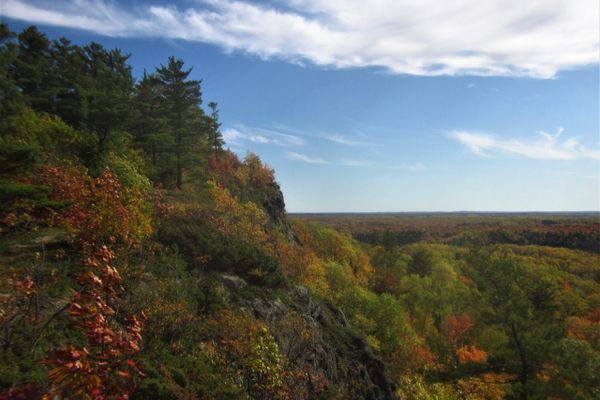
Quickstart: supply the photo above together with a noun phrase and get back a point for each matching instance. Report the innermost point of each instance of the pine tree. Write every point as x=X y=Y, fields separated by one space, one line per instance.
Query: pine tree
x=182 y=99
x=11 y=100
x=215 y=138
x=107 y=89
x=149 y=125
x=70 y=62
x=32 y=72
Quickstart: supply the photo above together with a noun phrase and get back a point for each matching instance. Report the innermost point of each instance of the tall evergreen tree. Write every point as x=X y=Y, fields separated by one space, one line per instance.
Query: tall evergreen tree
x=149 y=125
x=215 y=138
x=107 y=90
x=182 y=99
x=70 y=62
x=32 y=71
x=11 y=99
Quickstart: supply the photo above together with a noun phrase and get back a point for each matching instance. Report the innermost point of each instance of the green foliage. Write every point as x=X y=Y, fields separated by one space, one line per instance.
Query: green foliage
x=524 y=306
x=415 y=388
x=579 y=369
x=185 y=118
x=422 y=262
x=127 y=170
x=205 y=247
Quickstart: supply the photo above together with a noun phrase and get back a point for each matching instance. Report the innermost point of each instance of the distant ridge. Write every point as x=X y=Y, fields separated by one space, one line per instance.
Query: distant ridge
x=462 y=213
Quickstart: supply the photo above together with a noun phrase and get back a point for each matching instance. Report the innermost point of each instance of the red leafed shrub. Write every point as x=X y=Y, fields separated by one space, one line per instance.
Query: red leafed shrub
x=457 y=326
x=222 y=167
x=28 y=391
x=103 y=368
x=423 y=357
x=105 y=217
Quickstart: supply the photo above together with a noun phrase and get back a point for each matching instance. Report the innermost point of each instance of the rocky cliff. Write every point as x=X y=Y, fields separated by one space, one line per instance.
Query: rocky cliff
x=322 y=343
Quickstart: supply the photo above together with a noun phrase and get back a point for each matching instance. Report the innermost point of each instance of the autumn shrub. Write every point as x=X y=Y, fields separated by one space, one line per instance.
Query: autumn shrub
x=331 y=245
x=98 y=359
x=247 y=352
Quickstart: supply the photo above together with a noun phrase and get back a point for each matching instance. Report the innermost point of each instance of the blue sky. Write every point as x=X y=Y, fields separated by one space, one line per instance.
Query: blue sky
x=381 y=106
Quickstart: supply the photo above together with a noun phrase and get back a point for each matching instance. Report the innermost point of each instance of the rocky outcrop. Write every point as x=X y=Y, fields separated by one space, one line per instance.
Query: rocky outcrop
x=274 y=205
x=233 y=282
x=317 y=338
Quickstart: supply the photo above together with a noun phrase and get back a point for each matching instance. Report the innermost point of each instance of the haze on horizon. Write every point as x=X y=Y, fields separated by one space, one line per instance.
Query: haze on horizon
x=375 y=106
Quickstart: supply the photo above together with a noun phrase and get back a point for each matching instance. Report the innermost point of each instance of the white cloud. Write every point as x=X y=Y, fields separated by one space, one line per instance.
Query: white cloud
x=535 y=38
x=547 y=147
x=232 y=136
x=291 y=155
x=240 y=134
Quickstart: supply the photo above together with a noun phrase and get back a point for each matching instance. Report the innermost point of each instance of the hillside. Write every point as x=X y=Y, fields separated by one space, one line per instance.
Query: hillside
x=140 y=258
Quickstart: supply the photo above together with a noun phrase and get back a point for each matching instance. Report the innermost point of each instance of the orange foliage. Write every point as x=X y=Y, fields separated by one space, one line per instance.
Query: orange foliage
x=424 y=357
x=456 y=327
x=101 y=213
x=292 y=258
x=100 y=209
x=471 y=354
x=259 y=174
x=104 y=368
x=586 y=328
x=222 y=167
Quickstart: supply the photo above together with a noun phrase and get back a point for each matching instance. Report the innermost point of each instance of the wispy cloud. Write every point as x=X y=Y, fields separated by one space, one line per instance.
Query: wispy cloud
x=354 y=163
x=546 y=146
x=341 y=139
x=292 y=155
x=241 y=134
x=536 y=38
x=369 y=164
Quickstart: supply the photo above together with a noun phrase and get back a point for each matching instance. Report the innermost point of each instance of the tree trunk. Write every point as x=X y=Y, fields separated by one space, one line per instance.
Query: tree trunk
x=178 y=160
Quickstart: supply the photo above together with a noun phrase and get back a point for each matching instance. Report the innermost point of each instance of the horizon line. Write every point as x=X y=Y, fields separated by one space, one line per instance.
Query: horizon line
x=447 y=212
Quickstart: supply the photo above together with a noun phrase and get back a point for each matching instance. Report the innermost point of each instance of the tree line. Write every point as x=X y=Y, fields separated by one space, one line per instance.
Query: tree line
x=158 y=118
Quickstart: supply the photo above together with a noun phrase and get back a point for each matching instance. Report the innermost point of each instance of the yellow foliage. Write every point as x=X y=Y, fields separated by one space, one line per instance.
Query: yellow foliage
x=244 y=220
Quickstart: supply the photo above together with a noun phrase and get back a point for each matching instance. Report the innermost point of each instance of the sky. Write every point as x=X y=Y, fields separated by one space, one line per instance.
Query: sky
x=380 y=105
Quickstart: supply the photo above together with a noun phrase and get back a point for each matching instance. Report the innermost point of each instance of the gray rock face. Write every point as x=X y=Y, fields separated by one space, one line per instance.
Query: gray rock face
x=233 y=282
x=316 y=337
x=274 y=205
